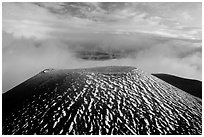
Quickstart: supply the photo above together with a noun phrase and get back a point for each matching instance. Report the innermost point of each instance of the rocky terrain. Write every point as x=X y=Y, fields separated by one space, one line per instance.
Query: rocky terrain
x=105 y=100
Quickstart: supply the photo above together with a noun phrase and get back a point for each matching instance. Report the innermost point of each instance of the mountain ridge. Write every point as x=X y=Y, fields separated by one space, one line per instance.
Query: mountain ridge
x=191 y=86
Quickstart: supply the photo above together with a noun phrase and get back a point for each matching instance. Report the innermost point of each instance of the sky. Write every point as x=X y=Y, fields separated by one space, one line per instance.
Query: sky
x=155 y=37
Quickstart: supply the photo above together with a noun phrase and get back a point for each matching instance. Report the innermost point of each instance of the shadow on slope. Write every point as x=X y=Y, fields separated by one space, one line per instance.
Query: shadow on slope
x=193 y=87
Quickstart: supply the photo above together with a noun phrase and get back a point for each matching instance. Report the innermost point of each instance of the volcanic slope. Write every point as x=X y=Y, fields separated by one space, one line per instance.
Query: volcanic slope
x=104 y=100
x=193 y=87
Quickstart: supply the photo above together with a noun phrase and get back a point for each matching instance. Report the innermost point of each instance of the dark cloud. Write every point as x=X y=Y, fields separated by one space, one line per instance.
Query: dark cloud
x=113 y=6
x=76 y=9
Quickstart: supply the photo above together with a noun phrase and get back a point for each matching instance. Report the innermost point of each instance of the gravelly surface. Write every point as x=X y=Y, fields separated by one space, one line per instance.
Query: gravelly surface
x=103 y=102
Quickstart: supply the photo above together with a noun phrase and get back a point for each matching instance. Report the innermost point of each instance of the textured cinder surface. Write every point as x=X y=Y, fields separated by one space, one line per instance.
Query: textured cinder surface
x=108 y=100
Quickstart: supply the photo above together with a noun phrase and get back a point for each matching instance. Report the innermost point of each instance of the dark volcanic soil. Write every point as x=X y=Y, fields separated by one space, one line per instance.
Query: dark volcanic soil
x=193 y=87
x=106 y=100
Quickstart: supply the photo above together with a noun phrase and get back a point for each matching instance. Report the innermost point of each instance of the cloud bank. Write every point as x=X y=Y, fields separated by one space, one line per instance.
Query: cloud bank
x=150 y=36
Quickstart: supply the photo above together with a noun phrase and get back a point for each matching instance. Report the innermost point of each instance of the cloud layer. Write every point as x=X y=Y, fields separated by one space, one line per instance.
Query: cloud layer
x=156 y=37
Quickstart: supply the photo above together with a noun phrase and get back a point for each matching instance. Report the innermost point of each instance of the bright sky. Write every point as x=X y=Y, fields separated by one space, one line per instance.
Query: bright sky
x=159 y=37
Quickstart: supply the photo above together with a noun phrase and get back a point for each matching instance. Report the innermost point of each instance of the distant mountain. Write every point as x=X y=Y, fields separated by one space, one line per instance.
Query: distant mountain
x=193 y=87
x=104 y=100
